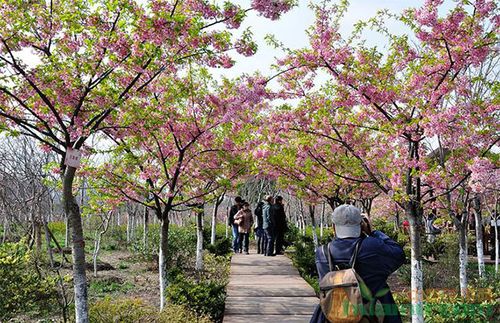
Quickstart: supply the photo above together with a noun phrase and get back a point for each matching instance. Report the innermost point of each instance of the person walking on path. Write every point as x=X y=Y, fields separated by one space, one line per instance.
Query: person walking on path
x=269 y=226
x=259 y=231
x=244 y=220
x=280 y=225
x=378 y=257
x=234 y=227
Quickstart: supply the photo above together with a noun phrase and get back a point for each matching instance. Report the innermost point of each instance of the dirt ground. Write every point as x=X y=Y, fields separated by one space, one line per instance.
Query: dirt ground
x=140 y=276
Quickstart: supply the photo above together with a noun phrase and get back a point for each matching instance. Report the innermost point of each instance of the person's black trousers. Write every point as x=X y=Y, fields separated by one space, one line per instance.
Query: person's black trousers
x=261 y=241
x=280 y=239
x=269 y=251
x=243 y=239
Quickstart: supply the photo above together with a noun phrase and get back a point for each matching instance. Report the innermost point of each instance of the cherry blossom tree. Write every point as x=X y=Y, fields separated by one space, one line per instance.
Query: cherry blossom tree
x=309 y=166
x=68 y=68
x=385 y=109
x=483 y=182
x=180 y=148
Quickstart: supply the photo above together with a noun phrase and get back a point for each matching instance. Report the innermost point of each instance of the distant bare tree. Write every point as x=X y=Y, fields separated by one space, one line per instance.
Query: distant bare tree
x=26 y=199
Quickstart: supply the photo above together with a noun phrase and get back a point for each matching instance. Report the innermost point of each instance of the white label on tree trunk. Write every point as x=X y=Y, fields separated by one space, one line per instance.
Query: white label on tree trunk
x=73 y=157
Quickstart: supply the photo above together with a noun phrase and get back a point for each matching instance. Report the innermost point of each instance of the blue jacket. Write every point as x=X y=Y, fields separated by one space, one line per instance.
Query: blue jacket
x=378 y=257
x=267 y=216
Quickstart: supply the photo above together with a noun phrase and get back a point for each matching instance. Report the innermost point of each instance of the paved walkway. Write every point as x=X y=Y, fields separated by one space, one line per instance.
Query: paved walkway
x=267 y=289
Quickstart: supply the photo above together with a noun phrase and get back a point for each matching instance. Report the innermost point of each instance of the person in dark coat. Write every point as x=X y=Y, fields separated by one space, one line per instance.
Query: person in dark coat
x=259 y=231
x=281 y=225
x=269 y=226
x=234 y=227
x=379 y=256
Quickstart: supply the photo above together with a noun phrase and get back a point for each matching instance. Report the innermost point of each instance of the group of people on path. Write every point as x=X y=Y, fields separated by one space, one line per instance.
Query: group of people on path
x=270 y=225
x=372 y=254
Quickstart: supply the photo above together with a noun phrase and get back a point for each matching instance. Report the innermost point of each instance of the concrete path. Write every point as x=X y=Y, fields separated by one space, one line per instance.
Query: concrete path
x=267 y=289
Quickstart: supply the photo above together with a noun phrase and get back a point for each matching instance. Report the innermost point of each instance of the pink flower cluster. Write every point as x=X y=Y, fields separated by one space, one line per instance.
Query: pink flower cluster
x=484 y=175
x=272 y=9
x=231 y=14
x=246 y=47
x=261 y=153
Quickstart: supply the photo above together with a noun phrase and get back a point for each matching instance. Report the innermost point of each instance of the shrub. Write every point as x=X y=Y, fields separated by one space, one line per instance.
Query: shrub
x=490 y=279
x=445 y=244
x=204 y=297
x=22 y=287
x=174 y=313
x=204 y=292
x=181 y=246
x=57 y=228
x=220 y=230
x=115 y=237
x=122 y=265
x=447 y=306
x=102 y=286
x=221 y=247
x=385 y=225
x=135 y=310
x=121 y=310
x=304 y=257
x=432 y=276
x=292 y=235
x=217 y=268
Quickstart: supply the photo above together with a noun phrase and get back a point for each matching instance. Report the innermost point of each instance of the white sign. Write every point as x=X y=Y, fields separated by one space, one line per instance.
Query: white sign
x=73 y=157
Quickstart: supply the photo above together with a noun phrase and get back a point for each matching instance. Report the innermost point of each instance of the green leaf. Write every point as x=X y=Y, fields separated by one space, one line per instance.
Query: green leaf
x=382 y=292
x=365 y=291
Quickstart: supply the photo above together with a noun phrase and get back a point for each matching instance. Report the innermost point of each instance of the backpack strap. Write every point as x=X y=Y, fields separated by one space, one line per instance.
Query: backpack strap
x=328 y=256
x=352 y=262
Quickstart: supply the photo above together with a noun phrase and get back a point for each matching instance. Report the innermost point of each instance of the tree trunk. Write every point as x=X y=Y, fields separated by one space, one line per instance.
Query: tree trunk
x=118 y=219
x=479 y=236
x=47 y=241
x=103 y=228
x=199 y=239
x=461 y=226
x=214 y=224
x=5 y=228
x=37 y=228
x=97 y=247
x=145 y=228
x=302 y=219
x=368 y=206
x=218 y=202
x=313 y=224
x=78 y=247
x=67 y=231
x=128 y=227
x=322 y=220
x=162 y=261
x=414 y=214
x=496 y=245
x=463 y=257
x=227 y=228
x=397 y=221
x=417 y=285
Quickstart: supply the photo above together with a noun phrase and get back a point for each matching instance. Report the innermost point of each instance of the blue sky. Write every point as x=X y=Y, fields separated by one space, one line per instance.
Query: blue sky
x=291 y=29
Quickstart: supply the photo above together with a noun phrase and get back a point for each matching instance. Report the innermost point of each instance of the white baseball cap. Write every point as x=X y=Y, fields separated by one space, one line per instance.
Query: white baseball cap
x=347 y=219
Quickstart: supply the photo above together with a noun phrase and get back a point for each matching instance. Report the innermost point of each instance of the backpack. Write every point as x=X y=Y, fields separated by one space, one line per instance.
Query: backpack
x=342 y=291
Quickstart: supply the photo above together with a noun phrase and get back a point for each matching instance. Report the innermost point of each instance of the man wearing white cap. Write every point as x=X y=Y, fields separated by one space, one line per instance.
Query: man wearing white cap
x=377 y=258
